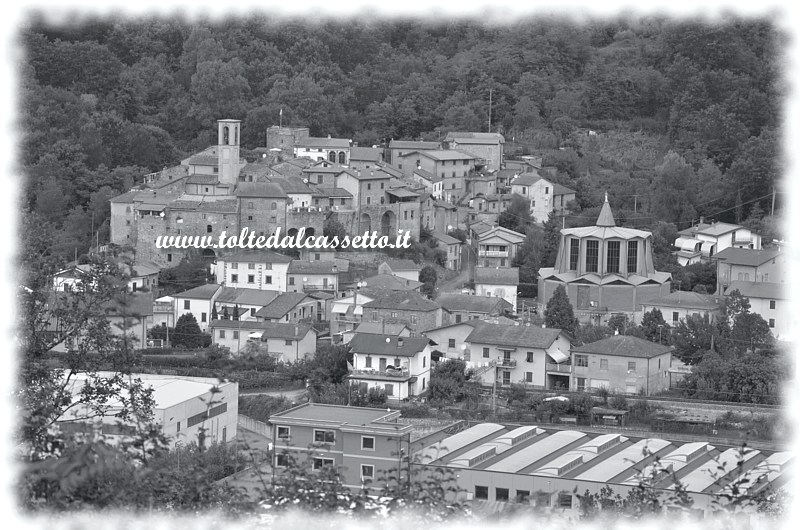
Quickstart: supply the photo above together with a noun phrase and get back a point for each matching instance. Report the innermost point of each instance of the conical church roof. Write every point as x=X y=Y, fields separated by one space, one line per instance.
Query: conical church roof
x=606 y=218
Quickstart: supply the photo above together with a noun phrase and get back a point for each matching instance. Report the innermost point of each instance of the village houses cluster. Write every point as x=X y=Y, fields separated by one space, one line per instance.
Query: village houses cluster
x=261 y=300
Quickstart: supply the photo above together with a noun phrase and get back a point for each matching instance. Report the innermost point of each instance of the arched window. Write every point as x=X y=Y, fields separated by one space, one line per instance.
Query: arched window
x=225 y=135
x=341 y=157
x=423 y=383
x=273 y=206
x=423 y=362
x=236 y=136
x=332 y=156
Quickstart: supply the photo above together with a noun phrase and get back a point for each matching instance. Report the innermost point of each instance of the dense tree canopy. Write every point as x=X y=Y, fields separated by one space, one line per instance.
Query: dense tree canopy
x=681 y=133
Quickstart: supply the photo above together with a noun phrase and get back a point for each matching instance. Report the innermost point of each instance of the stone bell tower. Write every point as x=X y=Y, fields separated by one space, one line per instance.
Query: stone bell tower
x=228 y=136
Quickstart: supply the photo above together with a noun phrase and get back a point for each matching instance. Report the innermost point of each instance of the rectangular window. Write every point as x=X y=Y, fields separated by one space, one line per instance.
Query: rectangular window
x=772 y=304
x=482 y=492
x=169 y=257
x=458 y=318
x=529 y=357
x=501 y=494
x=389 y=389
x=202 y=317
x=268 y=279
x=582 y=360
x=574 y=253
x=581 y=384
x=451 y=343
x=486 y=353
x=374 y=316
x=675 y=316
x=325 y=437
x=282 y=460
x=222 y=333
x=631 y=366
x=234 y=265
x=252 y=311
x=249 y=217
x=186 y=304
x=234 y=278
x=529 y=377
x=523 y=496
x=592 y=253
x=251 y=278
x=564 y=500
x=179 y=426
x=604 y=364
x=633 y=257
x=612 y=257
x=772 y=322
x=319 y=463
x=235 y=334
x=368 y=443
x=251 y=266
x=288 y=342
x=367 y=471
x=291 y=280
x=284 y=433
x=413 y=319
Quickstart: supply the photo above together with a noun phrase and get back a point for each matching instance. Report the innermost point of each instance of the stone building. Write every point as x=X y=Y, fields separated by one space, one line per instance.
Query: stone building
x=285 y=138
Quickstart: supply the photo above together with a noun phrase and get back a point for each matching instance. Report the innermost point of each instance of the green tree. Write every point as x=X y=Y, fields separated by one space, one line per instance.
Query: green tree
x=558 y=312
x=187 y=332
x=654 y=327
x=517 y=216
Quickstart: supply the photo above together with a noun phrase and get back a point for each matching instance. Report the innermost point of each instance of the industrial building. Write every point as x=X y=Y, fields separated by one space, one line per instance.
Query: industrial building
x=549 y=467
x=182 y=406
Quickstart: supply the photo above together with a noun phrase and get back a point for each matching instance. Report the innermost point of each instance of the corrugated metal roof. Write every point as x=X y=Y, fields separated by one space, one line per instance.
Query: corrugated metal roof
x=537 y=451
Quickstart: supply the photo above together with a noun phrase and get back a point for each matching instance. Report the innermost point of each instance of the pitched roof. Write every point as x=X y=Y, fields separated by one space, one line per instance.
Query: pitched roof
x=475 y=137
x=298 y=266
x=291 y=185
x=606 y=218
x=624 y=346
x=403 y=300
x=746 y=256
x=558 y=189
x=476 y=304
x=442 y=154
x=446 y=239
x=281 y=305
x=259 y=189
x=331 y=192
x=311 y=141
x=372 y=154
x=427 y=175
x=391 y=282
x=689 y=300
x=499 y=276
x=202 y=179
x=406 y=144
x=388 y=345
x=771 y=291
x=256 y=256
x=526 y=179
x=381 y=328
x=270 y=330
x=517 y=336
x=203 y=292
x=236 y=295
x=325 y=167
x=402 y=265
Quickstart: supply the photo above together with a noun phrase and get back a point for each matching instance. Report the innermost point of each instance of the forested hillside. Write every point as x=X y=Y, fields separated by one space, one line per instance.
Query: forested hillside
x=686 y=114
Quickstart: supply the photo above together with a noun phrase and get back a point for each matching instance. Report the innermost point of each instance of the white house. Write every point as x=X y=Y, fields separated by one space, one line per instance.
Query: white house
x=497 y=282
x=264 y=269
x=198 y=301
x=336 y=150
x=405 y=268
x=398 y=365
x=702 y=241
x=522 y=353
x=771 y=301
x=544 y=196
x=497 y=246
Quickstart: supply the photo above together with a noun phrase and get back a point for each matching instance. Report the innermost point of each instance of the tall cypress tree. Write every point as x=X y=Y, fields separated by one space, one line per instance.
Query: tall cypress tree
x=558 y=313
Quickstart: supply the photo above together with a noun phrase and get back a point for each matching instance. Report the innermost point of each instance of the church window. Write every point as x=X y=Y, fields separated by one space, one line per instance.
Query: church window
x=612 y=257
x=633 y=250
x=574 y=252
x=592 y=253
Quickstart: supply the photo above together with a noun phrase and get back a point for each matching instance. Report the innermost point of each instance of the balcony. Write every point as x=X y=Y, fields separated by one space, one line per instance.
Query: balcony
x=493 y=253
x=308 y=287
x=163 y=307
x=506 y=363
x=560 y=368
x=389 y=374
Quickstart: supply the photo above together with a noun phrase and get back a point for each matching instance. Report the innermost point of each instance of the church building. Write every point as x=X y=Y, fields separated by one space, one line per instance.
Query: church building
x=605 y=269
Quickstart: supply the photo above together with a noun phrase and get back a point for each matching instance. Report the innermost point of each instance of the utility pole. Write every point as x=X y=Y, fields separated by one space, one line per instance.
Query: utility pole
x=490 y=109
x=772 y=210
